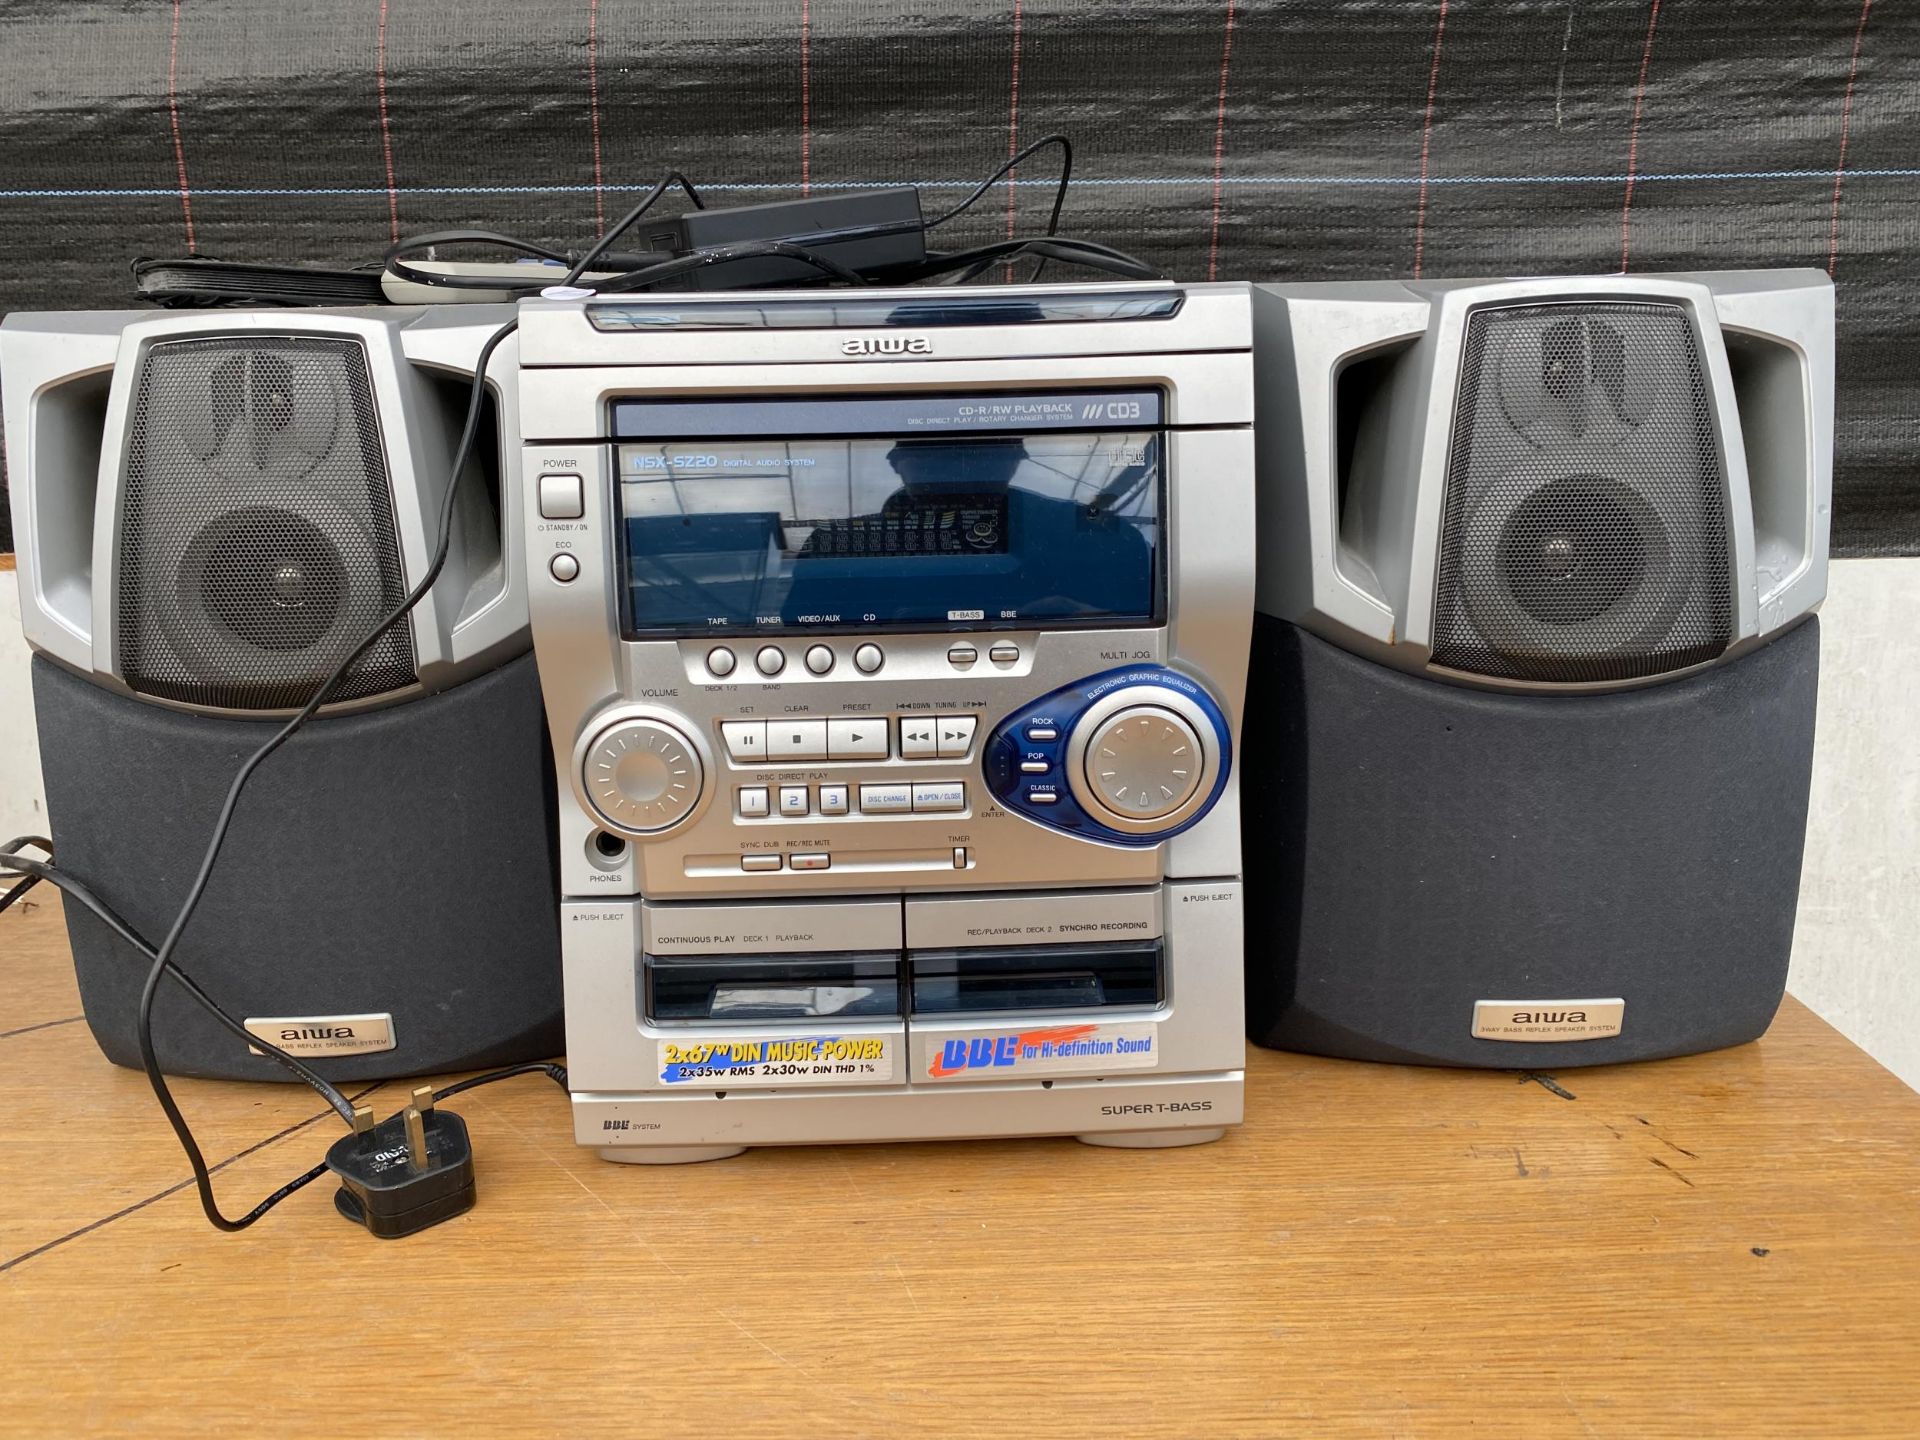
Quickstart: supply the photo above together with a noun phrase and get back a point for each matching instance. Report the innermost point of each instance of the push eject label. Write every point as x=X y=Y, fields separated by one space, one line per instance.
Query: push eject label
x=851 y=1059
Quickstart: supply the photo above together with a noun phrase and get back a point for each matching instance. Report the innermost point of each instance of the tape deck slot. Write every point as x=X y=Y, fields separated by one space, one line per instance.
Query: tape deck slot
x=988 y=980
x=752 y=989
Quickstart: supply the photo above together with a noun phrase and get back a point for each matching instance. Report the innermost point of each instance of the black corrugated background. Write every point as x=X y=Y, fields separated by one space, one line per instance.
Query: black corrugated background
x=1245 y=140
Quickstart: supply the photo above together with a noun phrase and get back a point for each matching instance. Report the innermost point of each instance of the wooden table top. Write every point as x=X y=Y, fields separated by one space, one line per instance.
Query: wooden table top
x=1726 y=1245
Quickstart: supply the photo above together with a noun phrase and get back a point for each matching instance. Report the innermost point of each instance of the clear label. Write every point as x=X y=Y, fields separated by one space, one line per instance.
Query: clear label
x=706 y=1062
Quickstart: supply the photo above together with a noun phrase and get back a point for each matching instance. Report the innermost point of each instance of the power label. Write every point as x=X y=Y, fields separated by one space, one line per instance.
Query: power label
x=1048 y=1050
x=791 y=1060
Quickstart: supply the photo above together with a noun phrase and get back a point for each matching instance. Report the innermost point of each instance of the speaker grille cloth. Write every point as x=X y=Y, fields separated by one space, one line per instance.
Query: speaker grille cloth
x=257 y=540
x=1584 y=535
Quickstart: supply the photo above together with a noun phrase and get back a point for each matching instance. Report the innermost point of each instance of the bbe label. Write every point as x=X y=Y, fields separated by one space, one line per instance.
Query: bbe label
x=851 y=1059
x=1049 y=1050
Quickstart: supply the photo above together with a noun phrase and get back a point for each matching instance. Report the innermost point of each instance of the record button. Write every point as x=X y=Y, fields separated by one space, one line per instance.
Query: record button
x=809 y=861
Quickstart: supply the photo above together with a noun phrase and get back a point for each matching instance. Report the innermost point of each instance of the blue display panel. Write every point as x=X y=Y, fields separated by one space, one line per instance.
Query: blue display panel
x=754 y=536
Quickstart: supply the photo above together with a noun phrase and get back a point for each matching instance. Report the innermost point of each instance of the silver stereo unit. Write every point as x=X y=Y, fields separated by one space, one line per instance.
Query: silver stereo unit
x=893 y=646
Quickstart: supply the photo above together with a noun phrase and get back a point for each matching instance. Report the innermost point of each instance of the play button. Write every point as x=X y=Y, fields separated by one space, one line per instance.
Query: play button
x=857 y=739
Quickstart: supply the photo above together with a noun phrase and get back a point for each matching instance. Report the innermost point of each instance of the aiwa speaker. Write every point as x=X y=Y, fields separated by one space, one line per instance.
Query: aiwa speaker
x=1535 y=662
x=211 y=509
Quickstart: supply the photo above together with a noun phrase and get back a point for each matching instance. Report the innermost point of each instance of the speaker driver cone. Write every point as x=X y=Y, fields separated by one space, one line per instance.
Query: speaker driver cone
x=1581 y=562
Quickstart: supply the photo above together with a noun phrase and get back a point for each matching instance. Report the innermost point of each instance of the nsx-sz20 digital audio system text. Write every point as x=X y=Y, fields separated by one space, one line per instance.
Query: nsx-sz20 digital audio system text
x=893 y=646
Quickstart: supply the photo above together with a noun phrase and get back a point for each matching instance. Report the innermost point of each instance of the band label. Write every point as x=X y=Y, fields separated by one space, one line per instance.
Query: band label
x=827 y=1059
x=1046 y=1050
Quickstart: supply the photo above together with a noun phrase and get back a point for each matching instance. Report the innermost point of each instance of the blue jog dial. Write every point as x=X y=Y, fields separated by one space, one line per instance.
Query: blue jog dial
x=1130 y=757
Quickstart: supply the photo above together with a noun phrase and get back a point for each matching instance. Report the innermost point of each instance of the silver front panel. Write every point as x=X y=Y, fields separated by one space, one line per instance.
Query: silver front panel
x=619 y=1069
x=591 y=675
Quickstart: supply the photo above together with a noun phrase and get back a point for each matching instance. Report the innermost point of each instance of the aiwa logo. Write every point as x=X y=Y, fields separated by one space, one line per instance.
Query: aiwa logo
x=324 y=1034
x=887 y=345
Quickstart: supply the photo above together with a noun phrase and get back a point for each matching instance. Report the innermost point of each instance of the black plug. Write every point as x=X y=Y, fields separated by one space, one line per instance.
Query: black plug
x=405 y=1173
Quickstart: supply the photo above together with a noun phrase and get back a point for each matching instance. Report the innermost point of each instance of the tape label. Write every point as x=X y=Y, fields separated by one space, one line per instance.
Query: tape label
x=826 y=1059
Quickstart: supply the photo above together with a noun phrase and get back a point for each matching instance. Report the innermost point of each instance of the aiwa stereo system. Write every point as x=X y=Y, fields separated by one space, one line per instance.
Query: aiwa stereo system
x=893 y=647
x=884 y=772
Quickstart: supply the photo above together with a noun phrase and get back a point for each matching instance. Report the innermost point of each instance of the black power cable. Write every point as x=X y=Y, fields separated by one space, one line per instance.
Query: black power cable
x=36 y=871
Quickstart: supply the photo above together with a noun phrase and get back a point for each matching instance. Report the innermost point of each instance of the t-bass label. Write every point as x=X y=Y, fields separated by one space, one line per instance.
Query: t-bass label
x=849 y=1059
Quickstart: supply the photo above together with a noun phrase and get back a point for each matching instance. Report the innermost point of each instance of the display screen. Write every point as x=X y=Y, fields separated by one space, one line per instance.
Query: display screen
x=763 y=536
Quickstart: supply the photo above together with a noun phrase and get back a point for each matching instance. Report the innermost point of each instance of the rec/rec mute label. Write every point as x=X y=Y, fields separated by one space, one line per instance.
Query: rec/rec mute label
x=824 y=1059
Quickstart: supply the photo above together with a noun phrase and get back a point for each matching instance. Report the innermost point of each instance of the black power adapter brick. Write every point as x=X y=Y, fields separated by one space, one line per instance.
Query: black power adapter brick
x=865 y=230
x=407 y=1172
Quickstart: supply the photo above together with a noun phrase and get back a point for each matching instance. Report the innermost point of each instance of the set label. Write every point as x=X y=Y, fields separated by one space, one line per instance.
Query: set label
x=828 y=1059
x=1048 y=1050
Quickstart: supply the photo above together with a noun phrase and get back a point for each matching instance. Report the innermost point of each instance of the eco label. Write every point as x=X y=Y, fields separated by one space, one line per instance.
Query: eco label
x=852 y=1059
x=1049 y=1050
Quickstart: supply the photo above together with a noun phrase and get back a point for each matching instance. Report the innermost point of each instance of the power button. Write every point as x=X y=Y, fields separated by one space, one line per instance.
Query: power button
x=562 y=496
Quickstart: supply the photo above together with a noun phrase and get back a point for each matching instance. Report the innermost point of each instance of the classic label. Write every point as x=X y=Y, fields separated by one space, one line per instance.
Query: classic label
x=824 y=1059
x=1544 y=1020
x=1045 y=1050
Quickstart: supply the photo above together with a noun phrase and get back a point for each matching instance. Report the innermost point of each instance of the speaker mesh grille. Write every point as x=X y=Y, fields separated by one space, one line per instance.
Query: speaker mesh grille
x=257 y=540
x=1584 y=535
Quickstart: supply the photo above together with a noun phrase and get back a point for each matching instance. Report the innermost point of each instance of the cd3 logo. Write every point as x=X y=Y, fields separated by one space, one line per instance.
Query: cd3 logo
x=887 y=345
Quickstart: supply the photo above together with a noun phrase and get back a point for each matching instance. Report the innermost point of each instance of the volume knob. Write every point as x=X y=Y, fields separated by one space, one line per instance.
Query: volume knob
x=1141 y=764
x=642 y=776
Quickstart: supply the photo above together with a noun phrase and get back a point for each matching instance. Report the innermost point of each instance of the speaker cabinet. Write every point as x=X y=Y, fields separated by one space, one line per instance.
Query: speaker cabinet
x=1535 y=662
x=210 y=510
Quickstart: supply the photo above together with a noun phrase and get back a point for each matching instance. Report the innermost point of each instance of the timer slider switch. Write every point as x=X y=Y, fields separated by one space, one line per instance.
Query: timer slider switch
x=406 y=1173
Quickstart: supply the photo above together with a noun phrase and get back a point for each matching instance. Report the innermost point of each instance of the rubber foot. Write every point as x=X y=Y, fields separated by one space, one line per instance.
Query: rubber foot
x=1150 y=1139
x=667 y=1154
